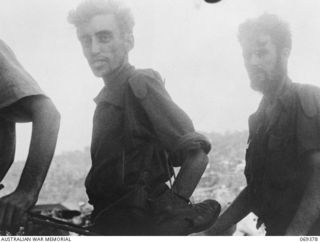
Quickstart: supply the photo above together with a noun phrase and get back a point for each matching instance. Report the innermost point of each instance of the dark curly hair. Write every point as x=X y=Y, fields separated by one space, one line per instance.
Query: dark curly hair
x=268 y=24
x=89 y=8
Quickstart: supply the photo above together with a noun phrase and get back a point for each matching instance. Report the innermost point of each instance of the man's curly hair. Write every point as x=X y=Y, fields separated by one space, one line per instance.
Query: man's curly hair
x=90 y=8
x=268 y=24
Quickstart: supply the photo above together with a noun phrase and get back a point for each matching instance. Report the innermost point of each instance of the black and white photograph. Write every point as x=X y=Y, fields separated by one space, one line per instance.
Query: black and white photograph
x=159 y=118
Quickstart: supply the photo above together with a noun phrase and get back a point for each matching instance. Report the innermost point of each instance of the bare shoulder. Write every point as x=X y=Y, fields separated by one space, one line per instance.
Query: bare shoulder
x=5 y=49
x=3 y=45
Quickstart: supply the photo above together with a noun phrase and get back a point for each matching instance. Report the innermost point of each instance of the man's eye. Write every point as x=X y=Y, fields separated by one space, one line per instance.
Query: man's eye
x=260 y=53
x=104 y=38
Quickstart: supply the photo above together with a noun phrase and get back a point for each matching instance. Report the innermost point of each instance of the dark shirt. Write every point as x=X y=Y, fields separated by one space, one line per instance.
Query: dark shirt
x=137 y=129
x=278 y=143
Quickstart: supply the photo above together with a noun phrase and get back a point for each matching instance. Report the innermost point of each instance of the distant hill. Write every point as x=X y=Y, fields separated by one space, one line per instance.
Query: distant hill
x=224 y=176
x=222 y=180
x=65 y=181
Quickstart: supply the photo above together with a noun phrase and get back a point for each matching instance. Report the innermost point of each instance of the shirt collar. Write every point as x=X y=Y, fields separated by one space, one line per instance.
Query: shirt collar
x=113 y=90
x=285 y=94
x=119 y=75
x=282 y=96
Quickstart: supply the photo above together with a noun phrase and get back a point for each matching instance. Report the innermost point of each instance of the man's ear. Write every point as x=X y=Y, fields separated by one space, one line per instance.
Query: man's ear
x=285 y=53
x=129 y=42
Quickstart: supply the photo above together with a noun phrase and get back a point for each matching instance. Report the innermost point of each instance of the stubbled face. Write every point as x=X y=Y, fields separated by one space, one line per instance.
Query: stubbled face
x=103 y=44
x=263 y=63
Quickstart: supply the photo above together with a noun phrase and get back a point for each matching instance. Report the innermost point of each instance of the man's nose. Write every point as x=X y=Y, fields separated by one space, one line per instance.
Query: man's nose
x=95 y=46
x=254 y=60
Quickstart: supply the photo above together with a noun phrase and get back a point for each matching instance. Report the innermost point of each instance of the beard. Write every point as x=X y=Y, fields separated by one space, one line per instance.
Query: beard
x=267 y=82
x=264 y=83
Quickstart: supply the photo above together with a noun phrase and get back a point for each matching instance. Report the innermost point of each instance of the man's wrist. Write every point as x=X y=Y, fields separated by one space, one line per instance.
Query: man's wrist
x=181 y=197
x=31 y=193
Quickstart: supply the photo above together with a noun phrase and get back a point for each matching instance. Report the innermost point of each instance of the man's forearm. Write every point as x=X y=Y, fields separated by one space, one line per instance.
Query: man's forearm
x=309 y=209
x=237 y=211
x=7 y=146
x=43 y=141
x=190 y=173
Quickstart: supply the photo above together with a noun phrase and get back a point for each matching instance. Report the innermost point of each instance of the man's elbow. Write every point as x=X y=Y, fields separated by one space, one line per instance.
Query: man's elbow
x=56 y=116
x=200 y=158
x=48 y=115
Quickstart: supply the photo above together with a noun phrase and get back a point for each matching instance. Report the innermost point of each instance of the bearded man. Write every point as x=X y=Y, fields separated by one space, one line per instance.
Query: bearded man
x=283 y=154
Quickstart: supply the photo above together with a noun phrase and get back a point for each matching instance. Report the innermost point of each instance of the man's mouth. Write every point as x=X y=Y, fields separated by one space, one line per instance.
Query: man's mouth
x=99 y=62
x=257 y=75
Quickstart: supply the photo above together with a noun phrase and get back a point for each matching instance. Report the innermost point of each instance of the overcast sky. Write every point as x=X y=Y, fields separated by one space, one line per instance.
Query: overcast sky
x=191 y=43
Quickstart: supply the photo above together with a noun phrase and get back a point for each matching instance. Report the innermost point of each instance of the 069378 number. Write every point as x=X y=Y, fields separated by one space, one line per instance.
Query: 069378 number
x=308 y=238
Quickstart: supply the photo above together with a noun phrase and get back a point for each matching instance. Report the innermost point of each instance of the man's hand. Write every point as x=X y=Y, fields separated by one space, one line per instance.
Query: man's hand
x=13 y=208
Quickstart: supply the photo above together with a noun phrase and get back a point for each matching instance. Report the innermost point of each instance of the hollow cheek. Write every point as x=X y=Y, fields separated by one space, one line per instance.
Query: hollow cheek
x=119 y=53
x=86 y=54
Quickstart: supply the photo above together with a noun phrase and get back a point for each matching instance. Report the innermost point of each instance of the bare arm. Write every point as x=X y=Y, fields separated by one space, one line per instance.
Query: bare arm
x=45 y=125
x=7 y=146
x=309 y=209
x=237 y=211
x=190 y=173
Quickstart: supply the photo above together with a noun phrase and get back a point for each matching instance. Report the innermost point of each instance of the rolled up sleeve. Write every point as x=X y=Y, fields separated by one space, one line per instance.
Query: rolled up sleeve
x=172 y=126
